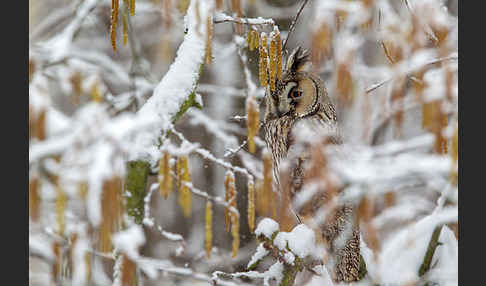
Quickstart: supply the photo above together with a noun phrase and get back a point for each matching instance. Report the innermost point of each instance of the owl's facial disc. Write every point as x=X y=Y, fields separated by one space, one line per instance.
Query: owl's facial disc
x=297 y=98
x=305 y=97
x=284 y=102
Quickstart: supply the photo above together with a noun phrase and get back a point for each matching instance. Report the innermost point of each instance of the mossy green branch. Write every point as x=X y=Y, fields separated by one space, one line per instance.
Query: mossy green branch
x=191 y=99
x=135 y=184
x=290 y=272
x=434 y=242
x=255 y=264
x=137 y=171
x=189 y=102
x=362 y=268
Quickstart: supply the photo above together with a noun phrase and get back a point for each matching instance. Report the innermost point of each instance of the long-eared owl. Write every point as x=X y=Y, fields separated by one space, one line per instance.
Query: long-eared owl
x=300 y=101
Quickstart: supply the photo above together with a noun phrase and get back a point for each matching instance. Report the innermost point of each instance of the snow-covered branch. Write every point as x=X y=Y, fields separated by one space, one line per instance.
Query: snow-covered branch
x=176 y=90
x=222 y=18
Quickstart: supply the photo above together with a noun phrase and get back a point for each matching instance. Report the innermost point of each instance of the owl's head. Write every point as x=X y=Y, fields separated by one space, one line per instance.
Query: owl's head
x=300 y=93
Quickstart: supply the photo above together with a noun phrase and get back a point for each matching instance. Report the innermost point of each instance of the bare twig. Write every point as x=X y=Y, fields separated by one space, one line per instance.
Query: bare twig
x=148 y=220
x=292 y=26
x=392 y=61
x=55 y=18
x=428 y=31
x=204 y=195
x=239 y=118
x=207 y=155
x=432 y=62
x=386 y=119
x=232 y=152
x=217 y=200
x=387 y=53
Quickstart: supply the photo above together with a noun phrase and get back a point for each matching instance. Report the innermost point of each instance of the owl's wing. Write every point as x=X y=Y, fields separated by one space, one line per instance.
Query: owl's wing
x=339 y=229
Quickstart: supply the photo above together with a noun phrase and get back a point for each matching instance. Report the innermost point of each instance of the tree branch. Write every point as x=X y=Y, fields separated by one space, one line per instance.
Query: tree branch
x=411 y=70
x=171 y=99
x=292 y=26
x=434 y=242
x=223 y=18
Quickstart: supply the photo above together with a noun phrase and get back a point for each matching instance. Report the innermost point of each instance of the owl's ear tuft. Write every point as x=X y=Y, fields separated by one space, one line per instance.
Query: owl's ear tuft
x=298 y=61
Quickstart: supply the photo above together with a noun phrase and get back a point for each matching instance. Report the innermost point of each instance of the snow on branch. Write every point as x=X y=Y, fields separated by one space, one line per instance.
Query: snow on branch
x=149 y=220
x=293 y=251
x=206 y=154
x=61 y=43
x=404 y=252
x=222 y=18
x=130 y=240
x=176 y=90
x=217 y=200
x=53 y=19
x=215 y=127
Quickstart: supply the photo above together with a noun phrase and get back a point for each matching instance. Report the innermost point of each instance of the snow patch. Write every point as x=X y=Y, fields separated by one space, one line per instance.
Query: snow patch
x=259 y=254
x=178 y=83
x=129 y=241
x=274 y=272
x=301 y=240
x=267 y=227
x=445 y=259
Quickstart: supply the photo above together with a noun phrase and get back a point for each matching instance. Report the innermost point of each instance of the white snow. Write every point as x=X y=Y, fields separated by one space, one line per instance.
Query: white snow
x=301 y=240
x=289 y=258
x=129 y=241
x=274 y=272
x=56 y=122
x=80 y=268
x=323 y=279
x=170 y=235
x=393 y=161
x=280 y=240
x=221 y=17
x=259 y=254
x=369 y=258
x=60 y=44
x=267 y=227
x=148 y=221
x=40 y=245
x=177 y=84
x=444 y=263
x=402 y=254
x=100 y=171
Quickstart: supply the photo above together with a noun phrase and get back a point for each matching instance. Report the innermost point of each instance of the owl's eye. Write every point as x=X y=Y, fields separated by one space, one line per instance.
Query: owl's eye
x=295 y=93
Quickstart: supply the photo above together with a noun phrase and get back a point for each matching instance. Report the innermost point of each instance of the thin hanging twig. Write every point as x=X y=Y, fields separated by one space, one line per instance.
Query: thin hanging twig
x=292 y=26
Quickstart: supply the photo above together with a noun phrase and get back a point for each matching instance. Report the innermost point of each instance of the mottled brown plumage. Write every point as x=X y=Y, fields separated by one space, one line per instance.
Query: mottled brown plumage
x=300 y=101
